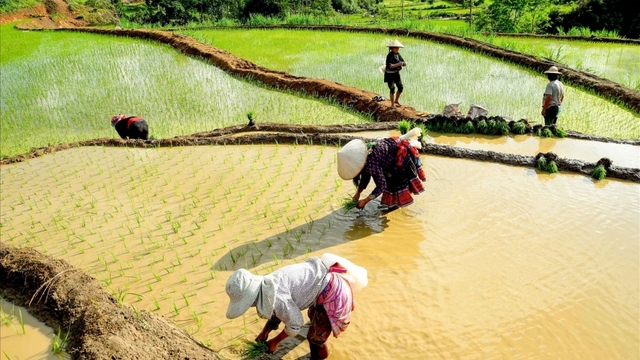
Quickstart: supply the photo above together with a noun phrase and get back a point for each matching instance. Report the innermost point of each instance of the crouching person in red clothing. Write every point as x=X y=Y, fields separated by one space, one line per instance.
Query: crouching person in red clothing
x=130 y=127
x=325 y=287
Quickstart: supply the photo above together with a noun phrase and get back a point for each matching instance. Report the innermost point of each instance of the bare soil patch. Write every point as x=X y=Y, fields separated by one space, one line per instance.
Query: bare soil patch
x=51 y=14
x=34 y=12
x=67 y=298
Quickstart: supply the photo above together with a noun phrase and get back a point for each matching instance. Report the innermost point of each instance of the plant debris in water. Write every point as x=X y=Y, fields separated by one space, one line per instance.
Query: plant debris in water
x=254 y=349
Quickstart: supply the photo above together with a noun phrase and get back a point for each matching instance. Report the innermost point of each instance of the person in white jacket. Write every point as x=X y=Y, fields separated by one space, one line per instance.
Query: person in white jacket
x=323 y=287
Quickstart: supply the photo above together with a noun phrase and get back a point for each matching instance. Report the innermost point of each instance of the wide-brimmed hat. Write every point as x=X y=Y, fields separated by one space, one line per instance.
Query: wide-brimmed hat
x=553 y=70
x=245 y=289
x=395 y=43
x=351 y=159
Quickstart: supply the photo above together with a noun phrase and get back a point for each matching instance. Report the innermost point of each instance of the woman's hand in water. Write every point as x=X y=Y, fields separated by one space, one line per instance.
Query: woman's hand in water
x=363 y=202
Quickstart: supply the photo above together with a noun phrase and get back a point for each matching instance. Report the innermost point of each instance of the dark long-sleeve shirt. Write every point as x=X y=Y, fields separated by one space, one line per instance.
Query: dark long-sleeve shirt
x=381 y=159
x=393 y=59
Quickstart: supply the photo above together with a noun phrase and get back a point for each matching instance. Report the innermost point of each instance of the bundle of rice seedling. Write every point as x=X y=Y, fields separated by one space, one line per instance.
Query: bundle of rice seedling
x=423 y=133
x=254 y=349
x=552 y=167
x=546 y=132
x=404 y=126
x=482 y=127
x=537 y=130
x=348 y=203
x=541 y=163
x=466 y=127
x=557 y=131
x=448 y=126
x=501 y=127
x=518 y=127
x=491 y=127
x=599 y=172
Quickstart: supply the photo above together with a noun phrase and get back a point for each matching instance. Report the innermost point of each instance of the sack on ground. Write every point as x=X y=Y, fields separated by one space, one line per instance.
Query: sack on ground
x=477 y=110
x=452 y=110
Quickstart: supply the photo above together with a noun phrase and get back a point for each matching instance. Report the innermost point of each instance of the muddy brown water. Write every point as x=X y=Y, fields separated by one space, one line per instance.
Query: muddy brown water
x=585 y=150
x=33 y=343
x=490 y=261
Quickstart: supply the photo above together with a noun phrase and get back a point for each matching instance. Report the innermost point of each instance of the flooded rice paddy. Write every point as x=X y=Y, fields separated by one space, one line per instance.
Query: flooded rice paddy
x=491 y=261
x=585 y=150
x=32 y=343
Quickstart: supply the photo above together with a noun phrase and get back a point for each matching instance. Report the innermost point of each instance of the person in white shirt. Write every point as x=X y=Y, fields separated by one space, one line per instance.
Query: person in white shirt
x=553 y=97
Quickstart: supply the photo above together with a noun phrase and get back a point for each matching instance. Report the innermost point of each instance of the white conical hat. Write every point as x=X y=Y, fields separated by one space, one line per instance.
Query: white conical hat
x=395 y=43
x=351 y=159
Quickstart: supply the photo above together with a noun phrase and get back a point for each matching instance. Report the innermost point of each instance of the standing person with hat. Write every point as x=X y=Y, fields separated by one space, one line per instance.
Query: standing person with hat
x=393 y=65
x=322 y=286
x=553 y=97
x=393 y=163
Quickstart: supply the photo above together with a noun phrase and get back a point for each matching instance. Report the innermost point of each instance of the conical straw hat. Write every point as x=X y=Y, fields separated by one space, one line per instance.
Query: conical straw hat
x=395 y=43
x=351 y=159
x=553 y=70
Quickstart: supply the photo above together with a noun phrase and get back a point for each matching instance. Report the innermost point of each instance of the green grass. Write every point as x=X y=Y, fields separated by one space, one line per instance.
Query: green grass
x=63 y=87
x=14 y=5
x=436 y=75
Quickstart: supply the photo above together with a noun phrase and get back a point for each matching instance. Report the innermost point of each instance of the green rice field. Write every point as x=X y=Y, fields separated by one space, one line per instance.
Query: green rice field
x=617 y=62
x=436 y=75
x=61 y=87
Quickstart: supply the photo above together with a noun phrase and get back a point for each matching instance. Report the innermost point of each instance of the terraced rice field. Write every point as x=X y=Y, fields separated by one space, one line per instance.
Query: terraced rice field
x=164 y=228
x=62 y=87
x=436 y=75
x=616 y=62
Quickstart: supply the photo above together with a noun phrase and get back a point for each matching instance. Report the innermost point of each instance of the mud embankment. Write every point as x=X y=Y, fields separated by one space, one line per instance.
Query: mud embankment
x=67 y=298
x=600 y=86
x=310 y=135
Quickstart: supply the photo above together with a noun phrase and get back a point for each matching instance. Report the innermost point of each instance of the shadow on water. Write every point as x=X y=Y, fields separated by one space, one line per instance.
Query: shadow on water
x=333 y=229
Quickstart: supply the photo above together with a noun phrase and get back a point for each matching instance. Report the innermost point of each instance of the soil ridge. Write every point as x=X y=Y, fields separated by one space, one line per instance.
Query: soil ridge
x=66 y=298
x=293 y=134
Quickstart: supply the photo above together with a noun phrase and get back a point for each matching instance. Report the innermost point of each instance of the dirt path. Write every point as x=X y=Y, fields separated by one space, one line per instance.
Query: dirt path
x=65 y=297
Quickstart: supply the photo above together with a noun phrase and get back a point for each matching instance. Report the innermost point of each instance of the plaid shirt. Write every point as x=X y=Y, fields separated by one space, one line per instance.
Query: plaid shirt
x=381 y=159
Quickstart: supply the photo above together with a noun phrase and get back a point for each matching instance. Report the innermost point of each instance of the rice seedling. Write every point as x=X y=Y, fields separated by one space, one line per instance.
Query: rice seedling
x=254 y=349
x=404 y=126
x=348 y=203
x=59 y=343
x=466 y=127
